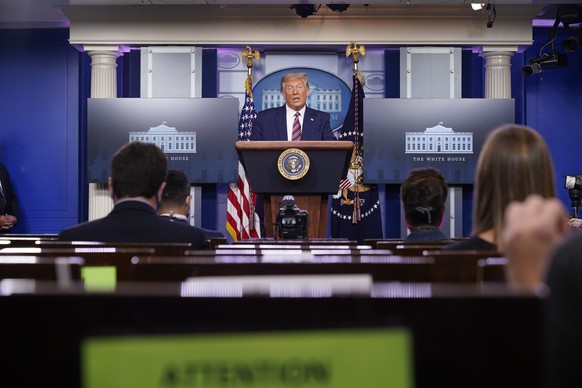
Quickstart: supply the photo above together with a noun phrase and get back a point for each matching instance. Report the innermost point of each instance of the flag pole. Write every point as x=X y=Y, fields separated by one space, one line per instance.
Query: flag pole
x=355 y=50
x=242 y=222
x=249 y=54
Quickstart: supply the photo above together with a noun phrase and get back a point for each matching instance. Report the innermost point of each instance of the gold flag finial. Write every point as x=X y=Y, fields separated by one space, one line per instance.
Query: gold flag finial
x=355 y=50
x=249 y=54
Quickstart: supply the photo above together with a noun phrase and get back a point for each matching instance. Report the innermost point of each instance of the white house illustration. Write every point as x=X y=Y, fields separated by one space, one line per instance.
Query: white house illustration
x=168 y=139
x=439 y=140
x=327 y=100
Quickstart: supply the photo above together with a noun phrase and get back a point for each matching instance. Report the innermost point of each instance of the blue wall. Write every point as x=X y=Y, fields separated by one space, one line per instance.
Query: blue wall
x=39 y=111
x=44 y=83
x=553 y=106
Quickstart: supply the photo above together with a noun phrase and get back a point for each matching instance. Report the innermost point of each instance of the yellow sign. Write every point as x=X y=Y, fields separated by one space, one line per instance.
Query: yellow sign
x=331 y=359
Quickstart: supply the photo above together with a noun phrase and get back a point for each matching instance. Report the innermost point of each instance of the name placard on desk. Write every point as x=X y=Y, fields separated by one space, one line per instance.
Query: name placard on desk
x=332 y=358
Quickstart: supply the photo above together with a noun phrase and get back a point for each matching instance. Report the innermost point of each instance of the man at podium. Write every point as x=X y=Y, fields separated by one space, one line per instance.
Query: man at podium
x=294 y=120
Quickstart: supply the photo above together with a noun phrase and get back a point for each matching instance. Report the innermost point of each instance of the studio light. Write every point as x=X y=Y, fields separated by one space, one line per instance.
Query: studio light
x=491 y=14
x=338 y=7
x=544 y=62
x=572 y=43
x=477 y=6
x=552 y=58
x=488 y=8
x=573 y=183
x=305 y=10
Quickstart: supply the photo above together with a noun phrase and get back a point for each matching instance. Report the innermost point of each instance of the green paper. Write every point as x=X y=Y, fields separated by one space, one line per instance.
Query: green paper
x=332 y=359
x=101 y=278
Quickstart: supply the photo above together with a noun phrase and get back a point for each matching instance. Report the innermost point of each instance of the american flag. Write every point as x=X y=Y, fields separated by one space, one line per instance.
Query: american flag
x=355 y=211
x=242 y=222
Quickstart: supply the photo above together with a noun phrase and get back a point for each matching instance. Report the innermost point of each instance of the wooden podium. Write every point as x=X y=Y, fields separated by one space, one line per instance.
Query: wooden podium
x=328 y=165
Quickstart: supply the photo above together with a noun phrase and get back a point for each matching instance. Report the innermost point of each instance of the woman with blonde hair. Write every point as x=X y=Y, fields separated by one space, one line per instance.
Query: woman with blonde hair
x=514 y=163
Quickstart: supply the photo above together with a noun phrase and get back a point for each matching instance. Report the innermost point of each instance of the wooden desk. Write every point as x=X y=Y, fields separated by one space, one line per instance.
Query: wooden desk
x=63 y=269
x=463 y=336
x=164 y=269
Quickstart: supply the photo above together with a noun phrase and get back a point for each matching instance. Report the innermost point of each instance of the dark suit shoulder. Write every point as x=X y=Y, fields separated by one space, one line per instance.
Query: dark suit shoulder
x=133 y=221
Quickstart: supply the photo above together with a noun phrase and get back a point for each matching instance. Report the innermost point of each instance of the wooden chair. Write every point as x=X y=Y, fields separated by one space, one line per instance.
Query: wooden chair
x=120 y=258
x=492 y=269
x=413 y=249
x=213 y=242
x=307 y=244
x=398 y=244
x=458 y=266
x=373 y=242
x=25 y=240
x=164 y=249
x=393 y=268
x=289 y=253
x=58 y=269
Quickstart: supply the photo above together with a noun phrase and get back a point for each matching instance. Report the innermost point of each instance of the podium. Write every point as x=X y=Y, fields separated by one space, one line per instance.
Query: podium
x=328 y=165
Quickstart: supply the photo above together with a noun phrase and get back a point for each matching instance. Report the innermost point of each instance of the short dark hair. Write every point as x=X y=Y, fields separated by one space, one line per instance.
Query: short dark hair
x=424 y=193
x=137 y=170
x=177 y=188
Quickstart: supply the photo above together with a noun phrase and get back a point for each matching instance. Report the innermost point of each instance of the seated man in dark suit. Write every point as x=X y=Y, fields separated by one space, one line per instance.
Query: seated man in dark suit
x=294 y=120
x=176 y=200
x=138 y=173
x=9 y=211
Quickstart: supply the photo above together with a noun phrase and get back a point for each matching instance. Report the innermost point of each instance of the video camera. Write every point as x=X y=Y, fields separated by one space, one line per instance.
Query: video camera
x=574 y=185
x=545 y=61
x=291 y=221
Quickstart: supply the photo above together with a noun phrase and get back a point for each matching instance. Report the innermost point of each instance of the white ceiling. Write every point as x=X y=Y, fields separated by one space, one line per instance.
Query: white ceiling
x=47 y=13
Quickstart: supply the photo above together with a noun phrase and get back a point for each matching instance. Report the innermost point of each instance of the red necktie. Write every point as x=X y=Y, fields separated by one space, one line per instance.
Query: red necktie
x=296 y=134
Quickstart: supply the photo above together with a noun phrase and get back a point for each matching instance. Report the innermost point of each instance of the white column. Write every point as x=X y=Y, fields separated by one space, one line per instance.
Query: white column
x=497 y=72
x=103 y=85
x=103 y=71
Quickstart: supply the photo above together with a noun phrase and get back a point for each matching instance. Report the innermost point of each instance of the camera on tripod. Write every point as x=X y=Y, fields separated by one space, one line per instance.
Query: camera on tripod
x=291 y=221
x=574 y=185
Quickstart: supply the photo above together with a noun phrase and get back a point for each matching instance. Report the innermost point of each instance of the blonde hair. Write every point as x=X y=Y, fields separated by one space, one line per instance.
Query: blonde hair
x=514 y=163
x=291 y=76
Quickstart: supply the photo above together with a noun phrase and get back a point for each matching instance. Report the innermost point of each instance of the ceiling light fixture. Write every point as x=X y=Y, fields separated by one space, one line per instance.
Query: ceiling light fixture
x=338 y=7
x=305 y=10
x=491 y=14
x=477 y=6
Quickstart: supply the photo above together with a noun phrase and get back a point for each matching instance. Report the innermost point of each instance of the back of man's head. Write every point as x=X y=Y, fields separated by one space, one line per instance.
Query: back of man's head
x=138 y=170
x=177 y=189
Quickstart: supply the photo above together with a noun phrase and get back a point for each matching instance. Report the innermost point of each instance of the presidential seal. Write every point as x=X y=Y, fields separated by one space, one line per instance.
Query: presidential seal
x=293 y=164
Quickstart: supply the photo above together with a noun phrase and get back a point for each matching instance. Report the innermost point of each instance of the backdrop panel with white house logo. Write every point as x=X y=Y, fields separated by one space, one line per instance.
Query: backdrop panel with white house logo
x=194 y=133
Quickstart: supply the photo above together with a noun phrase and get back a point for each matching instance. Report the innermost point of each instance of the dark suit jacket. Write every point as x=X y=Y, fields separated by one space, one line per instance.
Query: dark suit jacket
x=134 y=221
x=208 y=233
x=271 y=124
x=11 y=206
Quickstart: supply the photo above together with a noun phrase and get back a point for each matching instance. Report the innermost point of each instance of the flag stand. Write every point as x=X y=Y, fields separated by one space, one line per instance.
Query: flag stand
x=242 y=221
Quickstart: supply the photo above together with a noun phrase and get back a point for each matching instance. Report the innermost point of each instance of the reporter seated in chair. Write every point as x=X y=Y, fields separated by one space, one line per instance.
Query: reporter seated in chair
x=138 y=174
x=423 y=195
x=176 y=200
